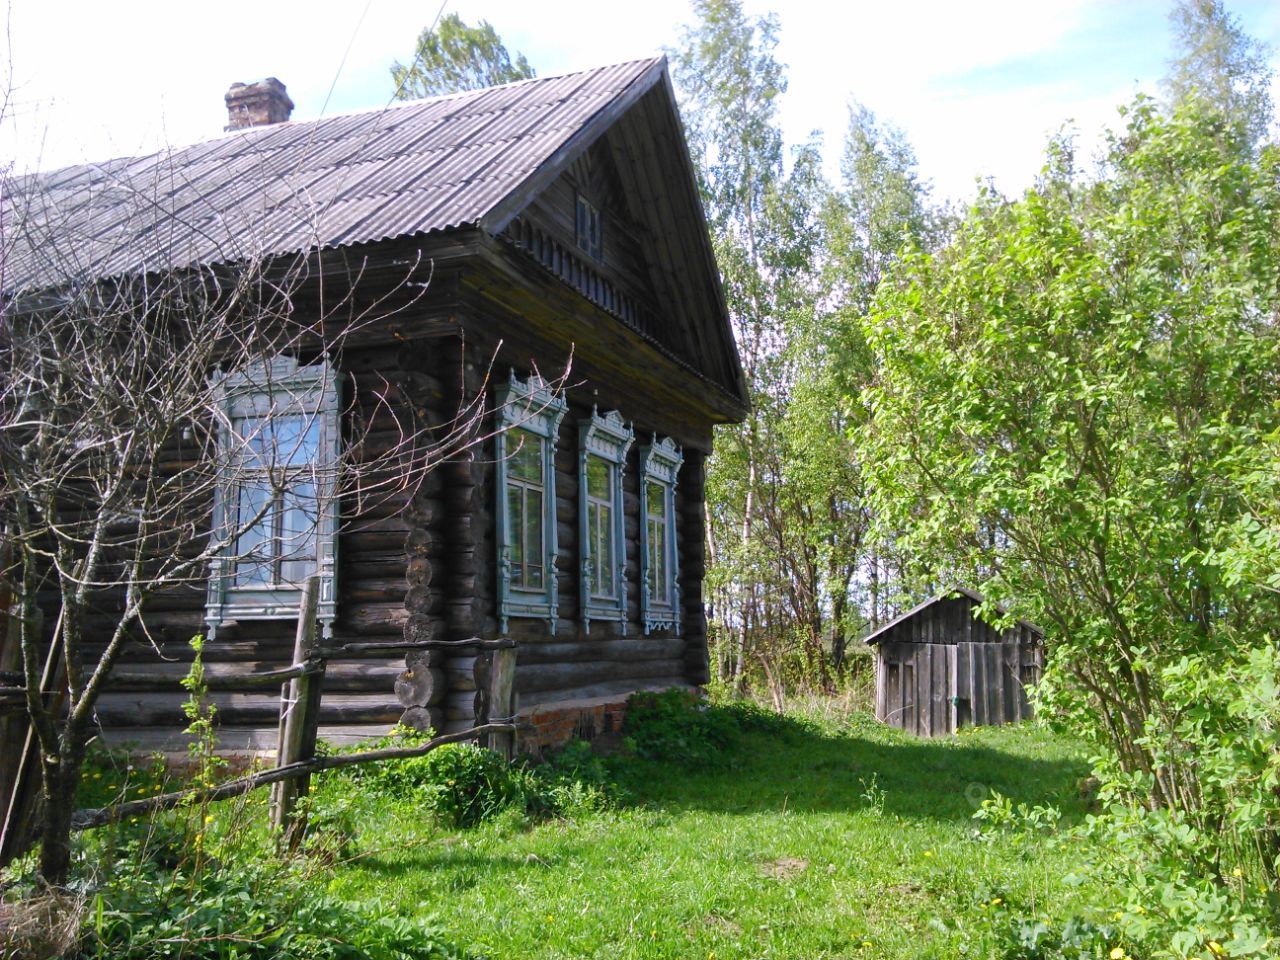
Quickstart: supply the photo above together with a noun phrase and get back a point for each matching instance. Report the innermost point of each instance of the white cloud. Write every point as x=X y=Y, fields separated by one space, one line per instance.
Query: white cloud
x=94 y=80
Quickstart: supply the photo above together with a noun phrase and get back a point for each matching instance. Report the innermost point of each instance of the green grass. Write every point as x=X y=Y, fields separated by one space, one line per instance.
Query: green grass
x=840 y=839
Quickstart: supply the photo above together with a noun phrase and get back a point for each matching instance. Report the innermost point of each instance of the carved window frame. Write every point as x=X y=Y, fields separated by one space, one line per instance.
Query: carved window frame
x=278 y=388
x=660 y=463
x=533 y=407
x=607 y=438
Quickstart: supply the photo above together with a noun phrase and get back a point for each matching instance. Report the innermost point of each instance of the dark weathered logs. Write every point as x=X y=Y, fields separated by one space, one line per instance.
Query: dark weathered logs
x=372 y=619
x=421 y=542
x=424 y=718
x=426 y=657
x=422 y=629
x=420 y=686
x=423 y=600
x=535 y=678
x=419 y=571
x=169 y=676
x=628 y=650
x=160 y=709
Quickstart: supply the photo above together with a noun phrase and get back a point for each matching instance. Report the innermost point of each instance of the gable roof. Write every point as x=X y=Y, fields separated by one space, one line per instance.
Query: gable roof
x=950 y=594
x=407 y=169
x=468 y=160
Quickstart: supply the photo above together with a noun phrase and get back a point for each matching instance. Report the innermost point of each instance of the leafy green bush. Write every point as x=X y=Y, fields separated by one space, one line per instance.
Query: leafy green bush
x=398 y=779
x=466 y=784
x=677 y=726
x=572 y=781
x=1023 y=938
x=243 y=909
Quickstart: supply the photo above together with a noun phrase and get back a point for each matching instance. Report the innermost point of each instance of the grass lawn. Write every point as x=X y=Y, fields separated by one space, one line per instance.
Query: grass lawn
x=845 y=839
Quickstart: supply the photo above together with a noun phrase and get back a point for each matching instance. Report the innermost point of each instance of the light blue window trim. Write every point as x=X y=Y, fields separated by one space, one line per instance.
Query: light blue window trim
x=529 y=412
x=602 y=459
x=660 y=463
x=279 y=442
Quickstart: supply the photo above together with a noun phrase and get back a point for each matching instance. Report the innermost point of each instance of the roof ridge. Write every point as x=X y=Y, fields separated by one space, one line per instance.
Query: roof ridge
x=251 y=132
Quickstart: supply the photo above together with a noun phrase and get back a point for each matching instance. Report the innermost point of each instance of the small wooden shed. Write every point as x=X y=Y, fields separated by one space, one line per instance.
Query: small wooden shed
x=939 y=667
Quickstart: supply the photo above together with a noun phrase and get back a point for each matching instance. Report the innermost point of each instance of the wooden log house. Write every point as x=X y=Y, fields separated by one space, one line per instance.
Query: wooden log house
x=539 y=223
x=940 y=667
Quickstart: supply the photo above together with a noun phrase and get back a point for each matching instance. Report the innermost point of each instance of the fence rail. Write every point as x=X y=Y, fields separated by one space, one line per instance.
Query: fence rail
x=302 y=685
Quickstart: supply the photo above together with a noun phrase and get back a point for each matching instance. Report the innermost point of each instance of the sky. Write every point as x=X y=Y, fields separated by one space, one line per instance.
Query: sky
x=978 y=86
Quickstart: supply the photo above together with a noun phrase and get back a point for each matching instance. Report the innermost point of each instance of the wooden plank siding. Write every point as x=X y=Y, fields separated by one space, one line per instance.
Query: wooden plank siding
x=941 y=668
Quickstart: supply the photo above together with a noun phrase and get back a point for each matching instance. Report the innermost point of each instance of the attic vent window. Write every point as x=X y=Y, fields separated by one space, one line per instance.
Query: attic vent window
x=590 y=229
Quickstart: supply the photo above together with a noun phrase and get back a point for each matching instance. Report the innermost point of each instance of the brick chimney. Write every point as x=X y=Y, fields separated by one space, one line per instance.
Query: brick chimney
x=257 y=104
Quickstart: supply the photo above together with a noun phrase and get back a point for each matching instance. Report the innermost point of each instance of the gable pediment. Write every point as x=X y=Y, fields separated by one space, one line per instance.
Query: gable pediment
x=657 y=273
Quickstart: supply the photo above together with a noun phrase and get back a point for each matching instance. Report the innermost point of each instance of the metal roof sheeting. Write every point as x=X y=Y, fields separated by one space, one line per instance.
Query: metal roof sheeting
x=410 y=168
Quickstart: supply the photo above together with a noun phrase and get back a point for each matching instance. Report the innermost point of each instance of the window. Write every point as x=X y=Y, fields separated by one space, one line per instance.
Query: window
x=275 y=506
x=659 y=561
x=529 y=416
x=604 y=442
x=590 y=229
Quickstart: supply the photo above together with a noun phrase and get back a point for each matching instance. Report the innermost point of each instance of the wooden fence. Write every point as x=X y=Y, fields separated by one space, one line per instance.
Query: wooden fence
x=302 y=685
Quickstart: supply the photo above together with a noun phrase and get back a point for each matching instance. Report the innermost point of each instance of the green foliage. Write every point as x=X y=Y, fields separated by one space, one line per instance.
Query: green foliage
x=1023 y=938
x=464 y=784
x=1217 y=62
x=1074 y=408
x=242 y=909
x=455 y=57
x=574 y=781
x=678 y=727
x=778 y=853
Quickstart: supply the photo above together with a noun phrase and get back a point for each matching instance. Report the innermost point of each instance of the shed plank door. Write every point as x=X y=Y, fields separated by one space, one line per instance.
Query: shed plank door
x=939 y=704
x=907 y=710
x=964 y=685
x=924 y=689
x=995 y=684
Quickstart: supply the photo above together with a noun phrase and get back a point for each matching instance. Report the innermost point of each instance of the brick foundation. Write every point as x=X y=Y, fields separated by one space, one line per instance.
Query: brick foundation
x=556 y=724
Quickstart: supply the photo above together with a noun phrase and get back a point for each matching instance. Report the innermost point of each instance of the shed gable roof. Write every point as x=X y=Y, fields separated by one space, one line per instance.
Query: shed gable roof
x=952 y=593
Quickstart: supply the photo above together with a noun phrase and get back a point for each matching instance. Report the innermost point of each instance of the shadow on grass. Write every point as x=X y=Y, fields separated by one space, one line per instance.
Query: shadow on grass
x=799 y=766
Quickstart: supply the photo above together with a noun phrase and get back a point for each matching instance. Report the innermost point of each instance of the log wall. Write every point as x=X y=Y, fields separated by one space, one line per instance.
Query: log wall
x=390 y=549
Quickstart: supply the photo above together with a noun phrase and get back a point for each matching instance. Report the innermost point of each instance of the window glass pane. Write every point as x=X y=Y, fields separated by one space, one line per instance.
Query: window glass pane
x=656 y=501
x=296 y=440
x=593 y=511
x=660 y=592
x=299 y=514
x=533 y=539
x=657 y=545
x=525 y=456
x=604 y=552
x=279 y=441
x=599 y=473
x=255 y=547
x=515 y=532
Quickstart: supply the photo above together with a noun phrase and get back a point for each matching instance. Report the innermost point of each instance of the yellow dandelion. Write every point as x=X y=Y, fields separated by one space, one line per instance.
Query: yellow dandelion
x=996 y=902
x=1216 y=947
x=928 y=853
x=1119 y=915
x=1237 y=872
x=1117 y=953
x=209 y=818
x=866 y=943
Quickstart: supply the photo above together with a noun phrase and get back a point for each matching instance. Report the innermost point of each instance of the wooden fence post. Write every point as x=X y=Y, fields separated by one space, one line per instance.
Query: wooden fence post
x=299 y=721
x=502 y=675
